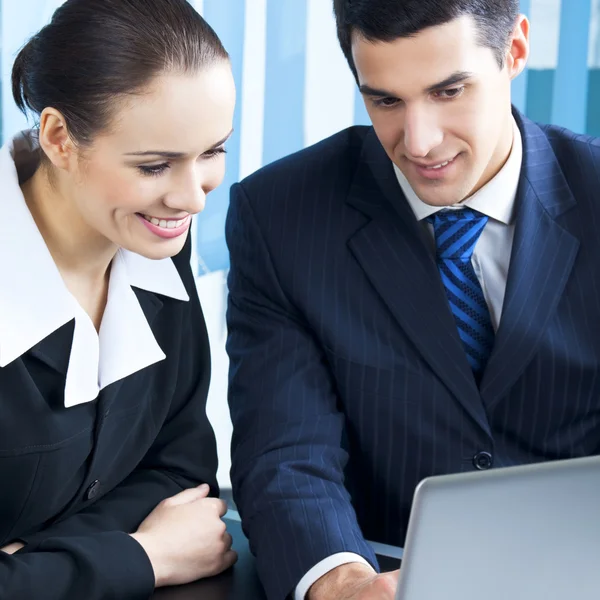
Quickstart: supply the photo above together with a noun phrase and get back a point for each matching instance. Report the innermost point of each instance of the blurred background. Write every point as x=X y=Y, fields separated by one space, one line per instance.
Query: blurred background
x=295 y=88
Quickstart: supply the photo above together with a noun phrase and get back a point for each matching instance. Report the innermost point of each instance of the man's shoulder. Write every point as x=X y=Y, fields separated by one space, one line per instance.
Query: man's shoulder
x=578 y=154
x=328 y=162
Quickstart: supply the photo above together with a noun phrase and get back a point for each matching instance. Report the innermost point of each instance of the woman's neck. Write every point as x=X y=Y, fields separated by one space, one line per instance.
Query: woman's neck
x=77 y=249
x=81 y=254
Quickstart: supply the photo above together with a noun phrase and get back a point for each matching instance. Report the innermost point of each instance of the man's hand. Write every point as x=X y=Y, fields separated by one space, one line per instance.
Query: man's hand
x=12 y=548
x=354 y=581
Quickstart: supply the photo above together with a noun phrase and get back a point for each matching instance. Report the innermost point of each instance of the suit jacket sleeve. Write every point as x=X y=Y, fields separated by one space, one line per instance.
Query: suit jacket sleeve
x=89 y=554
x=287 y=455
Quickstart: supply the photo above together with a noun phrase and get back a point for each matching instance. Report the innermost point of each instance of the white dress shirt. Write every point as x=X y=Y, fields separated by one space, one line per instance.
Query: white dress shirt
x=491 y=259
x=35 y=302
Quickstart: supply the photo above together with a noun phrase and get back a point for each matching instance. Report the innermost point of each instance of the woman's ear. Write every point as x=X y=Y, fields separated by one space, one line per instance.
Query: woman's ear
x=55 y=140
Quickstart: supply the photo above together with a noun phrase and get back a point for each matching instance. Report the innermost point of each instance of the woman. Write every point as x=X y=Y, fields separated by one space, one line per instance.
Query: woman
x=107 y=460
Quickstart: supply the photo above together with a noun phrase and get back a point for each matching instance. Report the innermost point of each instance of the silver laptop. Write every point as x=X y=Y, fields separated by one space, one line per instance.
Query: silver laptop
x=520 y=533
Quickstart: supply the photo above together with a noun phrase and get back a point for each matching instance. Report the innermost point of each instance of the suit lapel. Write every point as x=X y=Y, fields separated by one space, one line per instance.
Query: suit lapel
x=393 y=252
x=55 y=349
x=542 y=258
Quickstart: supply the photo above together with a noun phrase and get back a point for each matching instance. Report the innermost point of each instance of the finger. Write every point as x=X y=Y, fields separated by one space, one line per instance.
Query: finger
x=189 y=495
x=222 y=508
x=216 y=504
x=229 y=559
x=389 y=582
x=227 y=540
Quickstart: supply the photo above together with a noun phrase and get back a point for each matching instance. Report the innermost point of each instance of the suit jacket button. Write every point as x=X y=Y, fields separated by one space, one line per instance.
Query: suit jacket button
x=93 y=490
x=483 y=461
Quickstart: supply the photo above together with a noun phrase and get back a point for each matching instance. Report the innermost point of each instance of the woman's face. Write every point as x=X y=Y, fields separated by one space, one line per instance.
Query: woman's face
x=139 y=183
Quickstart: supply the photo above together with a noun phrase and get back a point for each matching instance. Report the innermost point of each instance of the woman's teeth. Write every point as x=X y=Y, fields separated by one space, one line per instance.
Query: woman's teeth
x=164 y=223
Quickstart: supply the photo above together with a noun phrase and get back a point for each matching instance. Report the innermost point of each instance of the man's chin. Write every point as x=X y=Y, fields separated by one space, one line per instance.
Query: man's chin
x=441 y=199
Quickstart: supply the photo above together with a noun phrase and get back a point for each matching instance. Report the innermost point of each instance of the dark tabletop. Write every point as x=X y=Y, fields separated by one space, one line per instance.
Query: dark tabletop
x=238 y=583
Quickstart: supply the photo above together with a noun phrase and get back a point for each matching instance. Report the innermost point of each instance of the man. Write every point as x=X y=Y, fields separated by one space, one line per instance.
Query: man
x=417 y=298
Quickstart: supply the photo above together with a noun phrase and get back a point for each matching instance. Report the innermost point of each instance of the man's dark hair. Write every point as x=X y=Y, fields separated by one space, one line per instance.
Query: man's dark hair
x=388 y=20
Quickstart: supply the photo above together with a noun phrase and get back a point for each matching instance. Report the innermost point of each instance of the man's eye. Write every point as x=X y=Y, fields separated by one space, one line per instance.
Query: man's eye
x=386 y=102
x=450 y=94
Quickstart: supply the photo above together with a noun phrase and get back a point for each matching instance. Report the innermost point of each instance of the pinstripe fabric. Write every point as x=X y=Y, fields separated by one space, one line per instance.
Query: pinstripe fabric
x=348 y=381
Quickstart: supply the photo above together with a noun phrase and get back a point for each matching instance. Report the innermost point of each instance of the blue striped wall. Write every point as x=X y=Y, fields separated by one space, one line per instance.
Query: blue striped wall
x=570 y=90
x=285 y=78
x=294 y=87
x=227 y=17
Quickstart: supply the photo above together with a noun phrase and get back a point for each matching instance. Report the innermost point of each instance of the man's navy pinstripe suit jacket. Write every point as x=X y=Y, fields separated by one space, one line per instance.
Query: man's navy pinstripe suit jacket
x=348 y=381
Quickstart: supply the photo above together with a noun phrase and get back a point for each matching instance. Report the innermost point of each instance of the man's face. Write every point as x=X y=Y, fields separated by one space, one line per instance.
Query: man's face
x=440 y=105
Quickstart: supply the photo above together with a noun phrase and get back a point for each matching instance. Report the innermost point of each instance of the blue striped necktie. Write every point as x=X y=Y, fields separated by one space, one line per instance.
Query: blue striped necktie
x=456 y=233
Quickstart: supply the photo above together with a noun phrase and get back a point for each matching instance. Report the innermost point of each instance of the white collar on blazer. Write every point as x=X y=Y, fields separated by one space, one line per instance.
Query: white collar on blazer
x=34 y=301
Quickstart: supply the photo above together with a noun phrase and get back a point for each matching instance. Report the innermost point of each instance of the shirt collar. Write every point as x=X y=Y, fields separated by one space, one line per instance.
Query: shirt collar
x=496 y=199
x=34 y=301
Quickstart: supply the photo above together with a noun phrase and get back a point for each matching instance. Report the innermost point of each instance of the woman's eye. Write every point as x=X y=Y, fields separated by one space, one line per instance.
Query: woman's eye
x=154 y=169
x=215 y=152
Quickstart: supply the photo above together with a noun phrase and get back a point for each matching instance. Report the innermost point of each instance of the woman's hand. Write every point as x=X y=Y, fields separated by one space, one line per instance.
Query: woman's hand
x=186 y=539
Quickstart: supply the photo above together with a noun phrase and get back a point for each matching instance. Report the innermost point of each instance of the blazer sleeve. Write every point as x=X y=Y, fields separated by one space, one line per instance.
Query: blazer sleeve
x=287 y=455
x=89 y=554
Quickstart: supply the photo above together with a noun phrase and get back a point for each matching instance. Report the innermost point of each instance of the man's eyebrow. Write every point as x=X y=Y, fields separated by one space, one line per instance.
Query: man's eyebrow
x=453 y=79
x=367 y=90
